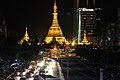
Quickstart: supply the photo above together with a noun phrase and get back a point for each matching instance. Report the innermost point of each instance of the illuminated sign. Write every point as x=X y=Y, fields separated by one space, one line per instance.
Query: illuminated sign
x=85 y=9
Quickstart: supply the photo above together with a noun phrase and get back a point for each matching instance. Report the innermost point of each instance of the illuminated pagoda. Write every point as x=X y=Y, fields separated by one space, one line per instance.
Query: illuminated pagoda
x=55 y=29
x=85 y=41
x=25 y=38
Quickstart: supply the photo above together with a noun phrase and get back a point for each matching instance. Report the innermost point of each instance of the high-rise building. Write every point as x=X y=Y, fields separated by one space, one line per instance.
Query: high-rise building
x=87 y=3
x=76 y=7
x=55 y=30
x=89 y=19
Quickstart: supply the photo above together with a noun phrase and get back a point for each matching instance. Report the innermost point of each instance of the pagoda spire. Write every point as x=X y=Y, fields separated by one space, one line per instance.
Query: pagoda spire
x=55 y=30
x=55 y=20
x=85 y=41
x=25 y=38
x=55 y=7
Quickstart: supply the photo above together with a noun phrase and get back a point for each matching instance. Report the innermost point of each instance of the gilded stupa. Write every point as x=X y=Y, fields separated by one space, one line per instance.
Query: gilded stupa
x=55 y=29
x=25 y=38
x=85 y=41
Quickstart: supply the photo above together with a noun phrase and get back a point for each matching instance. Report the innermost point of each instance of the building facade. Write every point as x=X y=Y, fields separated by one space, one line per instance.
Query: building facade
x=89 y=19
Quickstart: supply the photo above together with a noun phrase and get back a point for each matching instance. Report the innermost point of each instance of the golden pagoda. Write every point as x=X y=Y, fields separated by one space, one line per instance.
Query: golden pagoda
x=55 y=30
x=85 y=41
x=25 y=38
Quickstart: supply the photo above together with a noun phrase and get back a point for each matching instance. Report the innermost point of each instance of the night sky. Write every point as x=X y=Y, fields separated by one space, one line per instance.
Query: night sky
x=37 y=15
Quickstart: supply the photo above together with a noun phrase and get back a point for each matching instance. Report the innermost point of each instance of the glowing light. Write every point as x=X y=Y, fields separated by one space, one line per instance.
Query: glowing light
x=73 y=43
x=30 y=78
x=30 y=67
x=108 y=38
x=17 y=78
x=79 y=28
x=41 y=64
x=85 y=9
x=18 y=73
x=24 y=72
x=85 y=41
x=25 y=38
x=55 y=48
x=55 y=30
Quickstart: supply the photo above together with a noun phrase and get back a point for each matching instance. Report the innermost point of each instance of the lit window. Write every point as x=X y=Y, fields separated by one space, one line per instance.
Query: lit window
x=98 y=19
x=91 y=30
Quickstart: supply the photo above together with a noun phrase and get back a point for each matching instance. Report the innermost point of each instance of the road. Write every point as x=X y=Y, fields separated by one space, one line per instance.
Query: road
x=76 y=70
x=62 y=69
x=48 y=69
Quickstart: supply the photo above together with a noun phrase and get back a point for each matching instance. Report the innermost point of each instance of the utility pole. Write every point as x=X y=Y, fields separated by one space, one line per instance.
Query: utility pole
x=67 y=66
x=67 y=48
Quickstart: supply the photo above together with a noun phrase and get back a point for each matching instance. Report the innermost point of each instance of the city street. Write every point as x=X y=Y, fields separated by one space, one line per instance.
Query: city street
x=59 y=40
x=63 y=69
x=48 y=69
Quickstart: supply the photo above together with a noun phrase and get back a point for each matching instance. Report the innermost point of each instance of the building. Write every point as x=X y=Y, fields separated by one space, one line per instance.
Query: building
x=55 y=29
x=87 y=3
x=86 y=22
x=113 y=32
x=76 y=7
x=119 y=26
x=89 y=19
x=112 y=35
x=3 y=29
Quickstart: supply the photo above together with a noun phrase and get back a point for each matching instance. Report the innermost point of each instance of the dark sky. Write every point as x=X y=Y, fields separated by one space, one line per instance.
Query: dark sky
x=110 y=11
x=37 y=15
